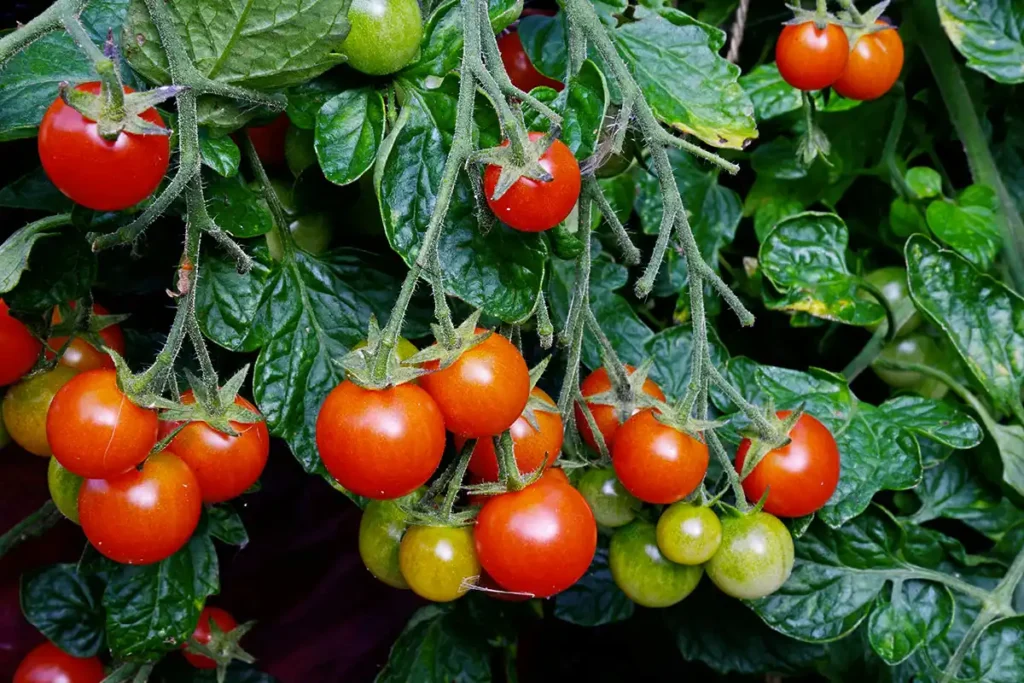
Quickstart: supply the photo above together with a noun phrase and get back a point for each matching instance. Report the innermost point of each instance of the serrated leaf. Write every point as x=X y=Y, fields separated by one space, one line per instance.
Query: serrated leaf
x=349 y=130
x=64 y=606
x=988 y=33
x=15 y=251
x=226 y=525
x=594 y=599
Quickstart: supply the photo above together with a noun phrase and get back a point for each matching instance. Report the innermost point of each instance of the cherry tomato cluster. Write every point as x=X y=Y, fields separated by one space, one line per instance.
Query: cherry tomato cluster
x=812 y=58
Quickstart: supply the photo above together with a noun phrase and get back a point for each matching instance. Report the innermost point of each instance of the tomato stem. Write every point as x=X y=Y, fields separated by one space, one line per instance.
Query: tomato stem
x=36 y=524
x=50 y=19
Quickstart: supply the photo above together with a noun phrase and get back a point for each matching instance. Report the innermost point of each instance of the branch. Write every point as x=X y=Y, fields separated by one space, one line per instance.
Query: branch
x=50 y=19
x=36 y=524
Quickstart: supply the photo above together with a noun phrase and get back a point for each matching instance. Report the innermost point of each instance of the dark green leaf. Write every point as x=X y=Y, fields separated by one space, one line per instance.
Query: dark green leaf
x=671 y=349
x=989 y=34
x=226 y=525
x=582 y=105
x=14 y=253
x=940 y=421
x=778 y=158
x=544 y=41
x=64 y=605
x=220 y=153
x=63 y=271
x=1010 y=440
x=305 y=99
x=823 y=394
x=595 y=599
x=349 y=130
x=34 y=191
x=771 y=200
x=915 y=612
x=997 y=656
x=236 y=209
x=905 y=219
x=771 y=95
x=437 y=647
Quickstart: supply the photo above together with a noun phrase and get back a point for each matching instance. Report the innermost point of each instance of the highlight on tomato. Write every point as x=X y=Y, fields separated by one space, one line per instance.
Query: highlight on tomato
x=605 y=416
x=47 y=663
x=809 y=57
x=658 y=463
x=689 y=534
x=80 y=354
x=21 y=349
x=439 y=563
x=613 y=506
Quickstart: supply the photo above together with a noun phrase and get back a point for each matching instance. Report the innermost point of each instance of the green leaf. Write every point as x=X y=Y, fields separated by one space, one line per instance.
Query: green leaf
x=1010 y=440
x=905 y=219
x=770 y=95
x=924 y=182
x=226 y=525
x=64 y=606
x=582 y=105
x=220 y=153
x=34 y=191
x=437 y=647
x=988 y=33
x=997 y=655
x=544 y=41
x=14 y=253
x=236 y=208
x=349 y=130
x=594 y=600
x=778 y=159
x=671 y=350
x=804 y=256
x=936 y=420
x=64 y=271
x=771 y=200
x=915 y=612
x=971 y=230
x=305 y=99
x=502 y=271
x=688 y=85
x=983 y=318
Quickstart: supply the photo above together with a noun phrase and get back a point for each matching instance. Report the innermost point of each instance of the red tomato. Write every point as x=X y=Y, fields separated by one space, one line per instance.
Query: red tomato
x=80 y=354
x=484 y=391
x=607 y=421
x=810 y=58
x=141 y=516
x=540 y=540
x=20 y=348
x=532 y=205
x=530 y=447
x=657 y=463
x=873 y=67
x=225 y=466
x=224 y=621
x=94 y=430
x=105 y=175
x=520 y=69
x=269 y=140
x=47 y=663
x=799 y=477
x=380 y=444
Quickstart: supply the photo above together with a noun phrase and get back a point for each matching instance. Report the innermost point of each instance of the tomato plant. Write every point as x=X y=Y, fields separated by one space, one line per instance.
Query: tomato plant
x=520 y=69
x=79 y=353
x=874 y=65
x=380 y=535
x=657 y=463
x=26 y=405
x=612 y=505
x=644 y=573
x=605 y=417
x=689 y=534
x=385 y=35
x=439 y=563
x=64 y=487
x=49 y=664
x=210 y=618
x=20 y=348
x=809 y=57
x=754 y=558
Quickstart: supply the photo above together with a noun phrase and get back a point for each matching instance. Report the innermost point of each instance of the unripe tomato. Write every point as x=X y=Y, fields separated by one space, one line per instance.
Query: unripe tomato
x=605 y=416
x=892 y=283
x=385 y=35
x=658 y=463
x=104 y=175
x=64 y=487
x=20 y=348
x=755 y=558
x=94 y=430
x=80 y=354
x=810 y=58
x=47 y=663
x=689 y=534
x=799 y=477
x=142 y=516
x=439 y=563
x=873 y=67
x=380 y=534
x=643 y=573
x=612 y=505
x=203 y=633
x=520 y=69
x=311 y=233
x=26 y=405
x=914 y=348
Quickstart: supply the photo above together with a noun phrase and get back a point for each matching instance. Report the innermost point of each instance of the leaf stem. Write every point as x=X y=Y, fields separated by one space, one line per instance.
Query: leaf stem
x=36 y=524
x=50 y=19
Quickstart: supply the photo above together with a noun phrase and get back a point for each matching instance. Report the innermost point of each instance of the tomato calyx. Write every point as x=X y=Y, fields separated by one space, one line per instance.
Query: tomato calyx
x=626 y=395
x=517 y=160
x=761 y=444
x=864 y=23
x=377 y=364
x=79 y=320
x=819 y=19
x=223 y=647
x=214 y=406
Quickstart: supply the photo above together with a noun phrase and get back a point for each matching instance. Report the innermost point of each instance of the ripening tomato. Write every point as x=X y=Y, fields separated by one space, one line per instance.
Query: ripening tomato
x=689 y=534
x=531 y=448
x=605 y=416
x=873 y=67
x=27 y=404
x=438 y=562
x=385 y=35
x=105 y=175
x=21 y=349
x=269 y=140
x=80 y=354
x=914 y=348
x=533 y=205
x=203 y=634
x=225 y=466
x=47 y=663
x=801 y=476
x=142 y=516
x=755 y=557
x=483 y=392
x=380 y=534
x=380 y=443
x=613 y=506
x=64 y=487
x=810 y=58
x=658 y=463
x=520 y=69
x=539 y=540
x=893 y=285
x=95 y=430
x=643 y=573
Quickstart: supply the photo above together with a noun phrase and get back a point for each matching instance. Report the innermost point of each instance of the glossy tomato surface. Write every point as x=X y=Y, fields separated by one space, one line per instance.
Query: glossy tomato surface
x=47 y=663
x=80 y=354
x=810 y=58
x=605 y=416
x=892 y=283
x=534 y=205
x=484 y=391
x=385 y=35
x=380 y=444
x=20 y=348
x=64 y=487
x=755 y=557
x=520 y=69
x=540 y=540
x=799 y=477
x=380 y=534
x=94 y=430
x=141 y=516
x=26 y=405
x=689 y=534
x=223 y=621
x=612 y=505
x=105 y=175
x=873 y=67
x=225 y=466
x=439 y=563
x=643 y=573
x=657 y=463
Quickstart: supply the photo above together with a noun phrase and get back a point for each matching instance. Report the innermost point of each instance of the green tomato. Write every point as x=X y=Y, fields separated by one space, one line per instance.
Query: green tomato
x=892 y=283
x=284 y=192
x=755 y=558
x=916 y=348
x=380 y=534
x=689 y=534
x=312 y=233
x=385 y=35
x=26 y=404
x=646 y=576
x=613 y=506
x=299 y=150
x=64 y=486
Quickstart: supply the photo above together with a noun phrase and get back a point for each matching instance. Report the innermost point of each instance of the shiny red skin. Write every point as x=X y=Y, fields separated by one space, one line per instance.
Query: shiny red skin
x=520 y=69
x=225 y=466
x=380 y=444
x=47 y=663
x=94 y=430
x=483 y=392
x=810 y=58
x=540 y=540
x=80 y=354
x=799 y=477
x=658 y=463
x=530 y=447
x=607 y=421
x=269 y=140
x=20 y=348
x=535 y=206
x=873 y=67
x=105 y=175
x=142 y=516
x=225 y=622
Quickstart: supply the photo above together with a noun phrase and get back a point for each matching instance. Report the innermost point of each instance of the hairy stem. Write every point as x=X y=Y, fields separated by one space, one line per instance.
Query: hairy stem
x=50 y=19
